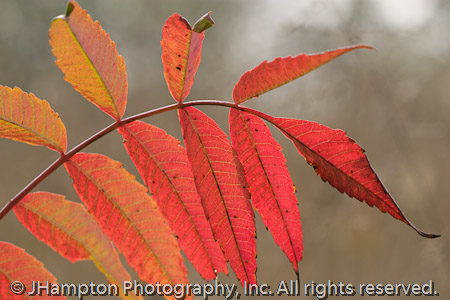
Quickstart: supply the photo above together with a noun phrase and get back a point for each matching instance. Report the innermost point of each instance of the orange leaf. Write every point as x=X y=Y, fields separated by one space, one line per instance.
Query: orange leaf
x=18 y=270
x=181 y=54
x=270 y=182
x=221 y=184
x=70 y=230
x=89 y=59
x=129 y=216
x=26 y=118
x=268 y=76
x=165 y=168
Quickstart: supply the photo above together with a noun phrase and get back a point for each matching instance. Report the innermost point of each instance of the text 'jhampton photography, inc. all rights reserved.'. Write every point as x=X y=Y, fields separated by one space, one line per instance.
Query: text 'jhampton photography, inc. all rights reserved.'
x=228 y=291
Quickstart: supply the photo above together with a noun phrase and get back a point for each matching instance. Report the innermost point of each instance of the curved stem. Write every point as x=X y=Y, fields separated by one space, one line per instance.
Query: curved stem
x=67 y=155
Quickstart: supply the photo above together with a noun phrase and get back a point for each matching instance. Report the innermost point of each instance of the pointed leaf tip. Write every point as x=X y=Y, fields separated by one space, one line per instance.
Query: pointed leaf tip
x=421 y=233
x=204 y=23
x=270 y=75
x=70 y=8
x=341 y=162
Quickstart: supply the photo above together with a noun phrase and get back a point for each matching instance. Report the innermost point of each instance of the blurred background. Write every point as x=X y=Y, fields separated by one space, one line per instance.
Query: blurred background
x=394 y=102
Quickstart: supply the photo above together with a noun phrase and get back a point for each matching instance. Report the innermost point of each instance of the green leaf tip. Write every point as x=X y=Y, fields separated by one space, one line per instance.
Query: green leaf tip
x=69 y=9
x=204 y=23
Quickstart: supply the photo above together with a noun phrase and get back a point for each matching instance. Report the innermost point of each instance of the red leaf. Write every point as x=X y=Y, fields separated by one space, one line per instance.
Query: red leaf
x=129 y=216
x=270 y=183
x=17 y=265
x=339 y=160
x=70 y=230
x=165 y=168
x=181 y=54
x=26 y=118
x=222 y=187
x=89 y=60
x=268 y=76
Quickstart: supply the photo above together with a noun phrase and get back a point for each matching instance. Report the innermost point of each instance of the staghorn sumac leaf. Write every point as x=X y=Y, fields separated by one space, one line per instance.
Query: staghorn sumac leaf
x=69 y=229
x=89 y=60
x=268 y=76
x=270 y=183
x=181 y=53
x=165 y=168
x=17 y=265
x=129 y=217
x=221 y=184
x=341 y=162
x=26 y=118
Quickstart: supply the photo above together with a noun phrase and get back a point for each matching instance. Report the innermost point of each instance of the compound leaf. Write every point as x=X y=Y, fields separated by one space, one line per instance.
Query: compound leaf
x=26 y=118
x=89 y=60
x=221 y=184
x=165 y=168
x=268 y=76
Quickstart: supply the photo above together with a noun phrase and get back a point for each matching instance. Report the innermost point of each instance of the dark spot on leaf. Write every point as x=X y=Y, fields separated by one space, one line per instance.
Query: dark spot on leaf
x=351 y=171
x=256 y=129
x=234 y=217
x=248 y=119
x=179 y=55
x=178 y=68
x=287 y=210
